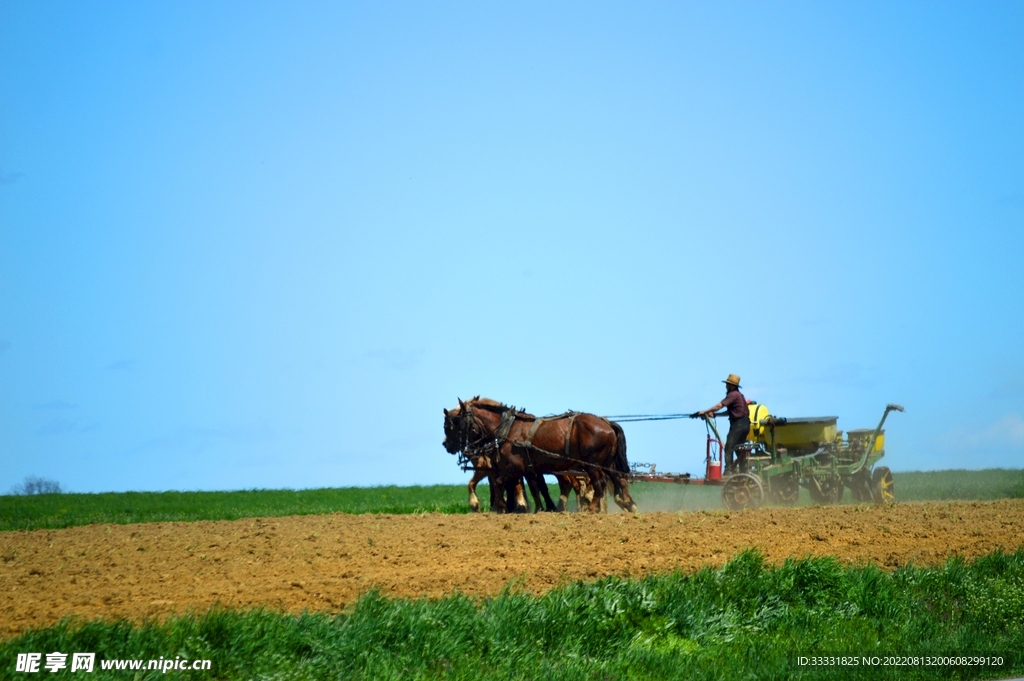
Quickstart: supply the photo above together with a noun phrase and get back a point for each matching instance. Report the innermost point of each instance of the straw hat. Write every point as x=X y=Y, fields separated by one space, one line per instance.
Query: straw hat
x=732 y=380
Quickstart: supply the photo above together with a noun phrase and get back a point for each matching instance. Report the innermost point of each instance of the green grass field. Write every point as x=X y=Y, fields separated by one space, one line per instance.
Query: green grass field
x=984 y=485
x=51 y=511
x=746 y=620
x=66 y=510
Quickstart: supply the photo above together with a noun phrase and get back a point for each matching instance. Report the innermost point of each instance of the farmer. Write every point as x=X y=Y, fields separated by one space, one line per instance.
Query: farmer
x=739 y=422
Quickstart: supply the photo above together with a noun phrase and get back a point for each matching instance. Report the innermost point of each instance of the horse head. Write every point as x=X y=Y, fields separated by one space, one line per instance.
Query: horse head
x=453 y=429
x=462 y=428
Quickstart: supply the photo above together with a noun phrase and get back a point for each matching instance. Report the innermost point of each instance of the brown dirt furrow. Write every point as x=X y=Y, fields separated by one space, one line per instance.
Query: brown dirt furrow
x=325 y=562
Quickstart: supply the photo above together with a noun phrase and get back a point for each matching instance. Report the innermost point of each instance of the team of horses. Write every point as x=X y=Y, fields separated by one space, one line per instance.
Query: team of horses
x=509 y=447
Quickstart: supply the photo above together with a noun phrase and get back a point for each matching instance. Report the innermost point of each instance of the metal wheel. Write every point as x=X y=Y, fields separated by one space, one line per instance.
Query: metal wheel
x=784 y=489
x=742 y=491
x=883 y=490
x=826 y=491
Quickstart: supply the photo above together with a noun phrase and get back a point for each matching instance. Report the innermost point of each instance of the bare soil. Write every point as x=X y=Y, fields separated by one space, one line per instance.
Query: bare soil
x=325 y=562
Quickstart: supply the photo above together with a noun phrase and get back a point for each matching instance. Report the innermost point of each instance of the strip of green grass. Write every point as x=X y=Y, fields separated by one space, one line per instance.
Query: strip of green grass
x=744 y=621
x=52 y=511
x=983 y=485
x=993 y=483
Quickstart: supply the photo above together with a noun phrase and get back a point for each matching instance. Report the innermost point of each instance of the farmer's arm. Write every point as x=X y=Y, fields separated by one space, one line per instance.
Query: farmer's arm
x=712 y=410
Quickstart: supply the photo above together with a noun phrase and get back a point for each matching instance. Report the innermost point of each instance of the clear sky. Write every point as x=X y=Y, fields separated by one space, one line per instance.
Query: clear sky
x=265 y=244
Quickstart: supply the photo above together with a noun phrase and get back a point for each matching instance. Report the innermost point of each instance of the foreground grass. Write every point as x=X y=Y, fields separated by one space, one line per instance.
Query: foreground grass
x=52 y=511
x=746 y=620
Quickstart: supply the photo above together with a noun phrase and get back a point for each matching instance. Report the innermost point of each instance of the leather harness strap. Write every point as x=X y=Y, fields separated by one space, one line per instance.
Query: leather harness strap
x=533 y=431
x=568 y=432
x=528 y=442
x=508 y=417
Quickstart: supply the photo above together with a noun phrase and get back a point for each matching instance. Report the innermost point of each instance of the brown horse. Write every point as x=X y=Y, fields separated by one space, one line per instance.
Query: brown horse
x=480 y=464
x=506 y=494
x=482 y=468
x=522 y=444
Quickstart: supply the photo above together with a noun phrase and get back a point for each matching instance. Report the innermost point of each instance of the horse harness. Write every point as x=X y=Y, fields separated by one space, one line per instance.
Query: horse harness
x=480 y=448
x=528 y=445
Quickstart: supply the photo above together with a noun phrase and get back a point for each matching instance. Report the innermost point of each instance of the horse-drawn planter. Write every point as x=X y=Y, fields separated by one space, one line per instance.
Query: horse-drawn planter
x=782 y=455
x=584 y=452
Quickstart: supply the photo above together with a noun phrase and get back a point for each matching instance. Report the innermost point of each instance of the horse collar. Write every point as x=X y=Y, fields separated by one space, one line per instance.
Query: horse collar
x=508 y=417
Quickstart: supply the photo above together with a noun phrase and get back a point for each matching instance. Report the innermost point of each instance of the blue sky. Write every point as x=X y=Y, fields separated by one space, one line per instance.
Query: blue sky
x=264 y=245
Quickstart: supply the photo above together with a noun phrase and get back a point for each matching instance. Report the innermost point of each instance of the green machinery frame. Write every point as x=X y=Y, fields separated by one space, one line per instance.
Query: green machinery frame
x=814 y=456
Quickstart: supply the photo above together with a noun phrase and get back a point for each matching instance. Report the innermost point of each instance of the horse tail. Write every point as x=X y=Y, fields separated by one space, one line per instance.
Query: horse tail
x=621 y=462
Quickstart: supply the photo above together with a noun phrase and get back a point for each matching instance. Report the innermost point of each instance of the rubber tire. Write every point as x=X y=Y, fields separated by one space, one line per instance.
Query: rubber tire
x=883 y=489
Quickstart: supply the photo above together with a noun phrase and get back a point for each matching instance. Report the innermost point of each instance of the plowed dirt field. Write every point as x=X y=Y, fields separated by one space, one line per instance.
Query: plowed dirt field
x=325 y=562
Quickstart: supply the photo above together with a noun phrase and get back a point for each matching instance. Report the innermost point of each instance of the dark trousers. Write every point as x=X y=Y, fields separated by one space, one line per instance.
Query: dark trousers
x=738 y=430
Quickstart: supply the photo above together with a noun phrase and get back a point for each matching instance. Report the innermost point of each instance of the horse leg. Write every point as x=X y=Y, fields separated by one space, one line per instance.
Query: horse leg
x=497 y=494
x=508 y=495
x=539 y=492
x=517 y=500
x=622 y=497
x=502 y=493
x=549 y=505
x=474 y=502
x=598 y=483
x=564 y=487
x=584 y=493
x=513 y=467
x=531 y=481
